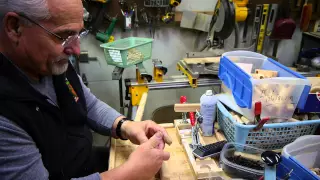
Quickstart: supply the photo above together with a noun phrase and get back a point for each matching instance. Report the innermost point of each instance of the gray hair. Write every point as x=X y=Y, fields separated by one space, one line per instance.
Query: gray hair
x=34 y=9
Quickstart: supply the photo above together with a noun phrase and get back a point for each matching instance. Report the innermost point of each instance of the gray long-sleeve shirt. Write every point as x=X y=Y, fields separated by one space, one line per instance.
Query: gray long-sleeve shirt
x=19 y=156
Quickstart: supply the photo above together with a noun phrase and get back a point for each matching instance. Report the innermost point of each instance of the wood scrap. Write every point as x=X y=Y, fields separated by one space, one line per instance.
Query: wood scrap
x=267 y=73
x=202 y=60
x=187 y=107
x=141 y=107
x=257 y=76
x=254 y=157
x=220 y=136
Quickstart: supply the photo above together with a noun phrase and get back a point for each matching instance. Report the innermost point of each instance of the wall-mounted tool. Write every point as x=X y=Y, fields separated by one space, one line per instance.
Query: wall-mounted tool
x=271 y=21
x=127 y=12
x=107 y=36
x=305 y=16
x=284 y=27
x=256 y=23
x=241 y=10
x=263 y=27
x=136 y=18
x=175 y=3
x=168 y=17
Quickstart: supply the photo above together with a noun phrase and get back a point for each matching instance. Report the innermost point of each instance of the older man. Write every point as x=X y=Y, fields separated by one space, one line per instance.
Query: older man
x=46 y=111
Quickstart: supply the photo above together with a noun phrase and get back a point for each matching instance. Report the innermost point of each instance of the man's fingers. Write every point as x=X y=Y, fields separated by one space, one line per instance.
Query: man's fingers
x=155 y=127
x=166 y=156
x=155 y=140
x=167 y=139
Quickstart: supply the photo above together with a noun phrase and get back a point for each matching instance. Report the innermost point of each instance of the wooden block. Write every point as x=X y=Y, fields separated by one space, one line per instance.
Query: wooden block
x=267 y=73
x=246 y=121
x=254 y=157
x=202 y=60
x=257 y=76
x=220 y=136
x=187 y=107
x=141 y=107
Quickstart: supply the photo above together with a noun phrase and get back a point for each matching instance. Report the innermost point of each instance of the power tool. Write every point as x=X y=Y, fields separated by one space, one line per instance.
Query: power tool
x=175 y=3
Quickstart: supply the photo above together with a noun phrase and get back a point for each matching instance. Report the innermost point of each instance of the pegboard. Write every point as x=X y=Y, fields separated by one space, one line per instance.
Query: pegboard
x=112 y=9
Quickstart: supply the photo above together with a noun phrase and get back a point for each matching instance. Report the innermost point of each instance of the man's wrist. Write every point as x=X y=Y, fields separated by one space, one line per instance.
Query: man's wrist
x=121 y=130
x=124 y=129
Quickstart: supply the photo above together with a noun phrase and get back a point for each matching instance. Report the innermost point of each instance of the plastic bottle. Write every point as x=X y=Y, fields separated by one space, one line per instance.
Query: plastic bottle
x=208 y=103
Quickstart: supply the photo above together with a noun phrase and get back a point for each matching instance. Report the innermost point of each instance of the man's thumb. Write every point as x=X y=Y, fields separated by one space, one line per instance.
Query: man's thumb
x=155 y=140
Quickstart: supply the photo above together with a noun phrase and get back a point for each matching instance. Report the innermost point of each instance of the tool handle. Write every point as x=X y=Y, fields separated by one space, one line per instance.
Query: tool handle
x=192 y=118
x=111 y=27
x=183 y=99
x=261 y=123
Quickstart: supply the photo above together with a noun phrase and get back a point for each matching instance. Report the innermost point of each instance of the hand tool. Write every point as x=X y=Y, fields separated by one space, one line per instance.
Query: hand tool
x=144 y=15
x=136 y=19
x=263 y=27
x=305 y=16
x=261 y=123
x=271 y=21
x=183 y=99
x=256 y=24
x=107 y=36
x=257 y=111
x=194 y=131
x=272 y=159
x=127 y=13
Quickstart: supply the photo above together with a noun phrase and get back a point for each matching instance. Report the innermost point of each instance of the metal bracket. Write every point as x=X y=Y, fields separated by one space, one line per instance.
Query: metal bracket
x=117 y=73
x=181 y=66
x=136 y=94
x=158 y=70
x=141 y=74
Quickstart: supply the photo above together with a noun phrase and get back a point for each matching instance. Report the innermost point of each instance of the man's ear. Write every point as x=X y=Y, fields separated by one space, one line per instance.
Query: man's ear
x=12 y=26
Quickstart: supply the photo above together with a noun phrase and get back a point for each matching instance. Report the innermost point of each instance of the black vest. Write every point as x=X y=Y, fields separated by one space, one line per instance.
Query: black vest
x=60 y=133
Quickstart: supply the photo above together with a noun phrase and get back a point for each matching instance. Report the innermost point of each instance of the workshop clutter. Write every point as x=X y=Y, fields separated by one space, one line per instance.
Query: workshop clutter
x=129 y=51
x=252 y=77
x=269 y=137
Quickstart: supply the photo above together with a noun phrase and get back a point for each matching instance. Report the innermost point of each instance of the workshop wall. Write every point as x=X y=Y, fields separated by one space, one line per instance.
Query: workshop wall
x=170 y=46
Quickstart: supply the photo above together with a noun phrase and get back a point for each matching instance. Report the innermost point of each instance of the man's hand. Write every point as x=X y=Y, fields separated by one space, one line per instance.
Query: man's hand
x=147 y=159
x=143 y=163
x=140 y=132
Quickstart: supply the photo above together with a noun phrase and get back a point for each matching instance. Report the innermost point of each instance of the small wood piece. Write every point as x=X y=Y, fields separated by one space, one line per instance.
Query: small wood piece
x=257 y=76
x=246 y=121
x=267 y=73
x=220 y=136
x=253 y=157
x=202 y=60
x=140 y=110
x=188 y=107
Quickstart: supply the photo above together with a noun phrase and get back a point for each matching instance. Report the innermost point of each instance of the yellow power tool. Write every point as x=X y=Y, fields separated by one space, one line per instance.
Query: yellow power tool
x=175 y=3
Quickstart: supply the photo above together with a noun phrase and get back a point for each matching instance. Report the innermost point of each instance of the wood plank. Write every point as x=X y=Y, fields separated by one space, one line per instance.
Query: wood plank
x=187 y=107
x=141 y=107
x=202 y=60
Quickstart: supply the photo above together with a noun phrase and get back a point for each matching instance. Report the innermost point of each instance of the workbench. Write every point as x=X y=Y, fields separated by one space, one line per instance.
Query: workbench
x=180 y=165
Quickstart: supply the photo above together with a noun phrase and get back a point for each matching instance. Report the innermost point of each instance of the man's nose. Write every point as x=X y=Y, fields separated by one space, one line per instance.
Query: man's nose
x=72 y=48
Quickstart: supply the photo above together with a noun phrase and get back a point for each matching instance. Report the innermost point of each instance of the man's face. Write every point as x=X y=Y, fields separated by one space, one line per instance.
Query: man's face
x=43 y=52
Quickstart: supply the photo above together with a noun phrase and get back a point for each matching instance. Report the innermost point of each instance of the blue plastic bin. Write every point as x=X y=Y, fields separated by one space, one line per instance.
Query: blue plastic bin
x=270 y=137
x=298 y=172
x=242 y=85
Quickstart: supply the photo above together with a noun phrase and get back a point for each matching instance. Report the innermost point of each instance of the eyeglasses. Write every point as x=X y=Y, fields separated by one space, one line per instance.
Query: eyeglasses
x=65 y=41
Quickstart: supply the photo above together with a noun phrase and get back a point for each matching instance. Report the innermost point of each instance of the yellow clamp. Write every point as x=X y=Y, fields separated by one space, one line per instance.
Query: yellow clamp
x=192 y=81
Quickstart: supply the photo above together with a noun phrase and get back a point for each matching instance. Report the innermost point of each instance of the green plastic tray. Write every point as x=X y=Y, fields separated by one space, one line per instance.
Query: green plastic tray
x=127 y=52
